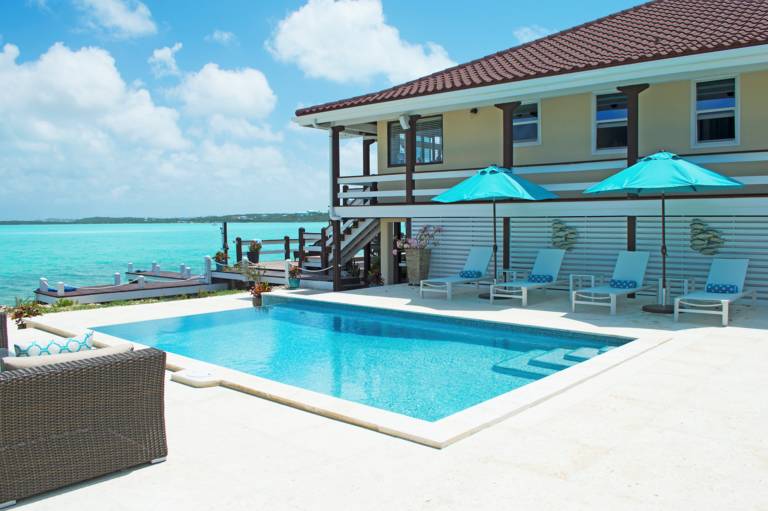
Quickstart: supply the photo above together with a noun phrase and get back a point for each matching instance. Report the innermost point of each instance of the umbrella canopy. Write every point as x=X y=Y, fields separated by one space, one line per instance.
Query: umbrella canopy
x=661 y=173
x=494 y=183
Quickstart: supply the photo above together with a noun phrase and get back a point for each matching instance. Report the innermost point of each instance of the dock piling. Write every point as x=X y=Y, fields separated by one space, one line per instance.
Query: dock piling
x=43 y=286
x=207 y=269
x=117 y=278
x=60 y=289
x=130 y=267
x=141 y=281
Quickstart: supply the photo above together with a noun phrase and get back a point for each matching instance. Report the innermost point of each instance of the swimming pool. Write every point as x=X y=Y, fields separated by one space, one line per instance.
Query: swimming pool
x=422 y=366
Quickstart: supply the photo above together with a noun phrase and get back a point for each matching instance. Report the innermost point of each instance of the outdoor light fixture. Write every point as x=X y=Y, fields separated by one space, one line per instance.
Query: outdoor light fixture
x=404 y=123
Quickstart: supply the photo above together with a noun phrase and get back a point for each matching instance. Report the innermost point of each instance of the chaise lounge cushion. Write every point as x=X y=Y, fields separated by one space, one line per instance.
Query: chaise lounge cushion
x=13 y=363
x=722 y=288
x=540 y=279
x=55 y=346
x=470 y=274
x=622 y=284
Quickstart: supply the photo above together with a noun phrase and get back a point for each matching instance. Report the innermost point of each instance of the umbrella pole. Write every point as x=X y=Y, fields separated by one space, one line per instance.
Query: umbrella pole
x=663 y=250
x=495 y=248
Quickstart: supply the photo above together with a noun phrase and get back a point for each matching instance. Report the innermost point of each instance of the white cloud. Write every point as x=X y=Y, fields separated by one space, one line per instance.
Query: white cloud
x=122 y=18
x=243 y=93
x=350 y=41
x=163 y=61
x=241 y=129
x=529 y=33
x=221 y=37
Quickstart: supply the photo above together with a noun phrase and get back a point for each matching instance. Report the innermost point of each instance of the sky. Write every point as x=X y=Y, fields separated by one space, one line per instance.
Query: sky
x=177 y=108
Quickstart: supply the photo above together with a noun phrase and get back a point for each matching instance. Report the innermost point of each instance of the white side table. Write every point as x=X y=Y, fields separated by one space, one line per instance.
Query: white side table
x=683 y=281
x=576 y=281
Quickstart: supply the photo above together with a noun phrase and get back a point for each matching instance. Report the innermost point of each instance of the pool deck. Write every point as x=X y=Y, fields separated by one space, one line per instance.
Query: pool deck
x=682 y=425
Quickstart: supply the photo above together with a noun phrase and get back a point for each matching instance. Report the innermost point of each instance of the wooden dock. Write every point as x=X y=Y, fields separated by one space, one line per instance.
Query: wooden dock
x=134 y=290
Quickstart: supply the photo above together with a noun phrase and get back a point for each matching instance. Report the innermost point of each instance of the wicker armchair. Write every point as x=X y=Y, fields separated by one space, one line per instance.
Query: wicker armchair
x=65 y=423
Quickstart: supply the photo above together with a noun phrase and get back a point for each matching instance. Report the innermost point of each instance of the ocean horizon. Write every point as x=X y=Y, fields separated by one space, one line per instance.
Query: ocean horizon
x=90 y=254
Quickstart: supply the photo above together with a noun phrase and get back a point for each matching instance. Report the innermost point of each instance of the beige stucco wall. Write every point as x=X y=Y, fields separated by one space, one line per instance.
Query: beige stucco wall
x=474 y=140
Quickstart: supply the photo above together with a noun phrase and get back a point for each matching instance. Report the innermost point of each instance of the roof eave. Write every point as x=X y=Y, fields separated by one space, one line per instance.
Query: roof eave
x=655 y=71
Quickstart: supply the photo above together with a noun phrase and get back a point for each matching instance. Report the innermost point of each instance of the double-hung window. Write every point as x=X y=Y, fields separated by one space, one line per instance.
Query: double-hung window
x=429 y=141
x=525 y=123
x=716 y=111
x=610 y=121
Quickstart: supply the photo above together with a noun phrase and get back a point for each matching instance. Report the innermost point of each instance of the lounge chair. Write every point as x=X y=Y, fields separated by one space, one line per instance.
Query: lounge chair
x=725 y=285
x=544 y=273
x=628 y=277
x=476 y=265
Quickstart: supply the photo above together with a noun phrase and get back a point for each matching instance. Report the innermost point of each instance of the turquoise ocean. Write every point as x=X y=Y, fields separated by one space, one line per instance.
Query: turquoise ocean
x=85 y=254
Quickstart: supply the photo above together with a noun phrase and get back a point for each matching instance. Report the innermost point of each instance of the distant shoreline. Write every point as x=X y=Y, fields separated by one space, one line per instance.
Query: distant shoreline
x=309 y=216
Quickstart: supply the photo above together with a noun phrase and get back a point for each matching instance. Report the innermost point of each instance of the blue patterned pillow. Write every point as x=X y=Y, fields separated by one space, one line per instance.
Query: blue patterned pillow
x=622 y=284
x=55 y=346
x=723 y=288
x=470 y=274
x=540 y=279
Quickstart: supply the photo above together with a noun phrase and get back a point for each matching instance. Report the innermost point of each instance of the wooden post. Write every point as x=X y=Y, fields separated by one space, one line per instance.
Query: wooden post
x=301 y=246
x=287 y=245
x=505 y=235
x=631 y=238
x=3 y=331
x=224 y=244
x=335 y=162
x=367 y=166
x=410 y=157
x=408 y=228
x=633 y=120
x=324 y=249
x=336 y=254
x=396 y=256
x=507 y=140
x=344 y=189
x=238 y=249
x=366 y=262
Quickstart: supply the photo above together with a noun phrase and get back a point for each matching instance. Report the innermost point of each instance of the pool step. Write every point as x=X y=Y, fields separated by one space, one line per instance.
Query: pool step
x=520 y=366
x=554 y=359
x=585 y=353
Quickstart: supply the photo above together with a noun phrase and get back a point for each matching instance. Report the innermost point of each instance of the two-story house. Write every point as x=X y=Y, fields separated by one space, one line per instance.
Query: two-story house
x=565 y=111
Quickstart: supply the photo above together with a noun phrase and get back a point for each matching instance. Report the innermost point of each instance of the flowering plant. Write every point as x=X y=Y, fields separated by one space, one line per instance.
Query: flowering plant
x=260 y=287
x=425 y=238
x=254 y=246
x=220 y=257
x=294 y=272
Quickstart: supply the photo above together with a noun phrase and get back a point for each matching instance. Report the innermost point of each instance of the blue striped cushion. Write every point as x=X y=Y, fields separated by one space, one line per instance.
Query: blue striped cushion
x=723 y=288
x=55 y=346
x=622 y=284
x=470 y=274
x=540 y=279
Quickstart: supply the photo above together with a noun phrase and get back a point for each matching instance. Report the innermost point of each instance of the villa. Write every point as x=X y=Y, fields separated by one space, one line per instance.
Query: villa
x=473 y=387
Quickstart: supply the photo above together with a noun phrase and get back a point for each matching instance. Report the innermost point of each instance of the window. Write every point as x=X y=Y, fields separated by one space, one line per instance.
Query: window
x=716 y=111
x=525 y=123
x=611 y=121
x=429 y=142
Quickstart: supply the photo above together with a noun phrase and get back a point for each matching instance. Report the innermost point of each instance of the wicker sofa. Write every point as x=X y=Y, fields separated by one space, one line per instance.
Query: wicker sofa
x=69 y=422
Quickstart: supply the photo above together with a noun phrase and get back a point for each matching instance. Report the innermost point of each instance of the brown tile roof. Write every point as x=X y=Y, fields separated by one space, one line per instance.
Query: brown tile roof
x=650 y=31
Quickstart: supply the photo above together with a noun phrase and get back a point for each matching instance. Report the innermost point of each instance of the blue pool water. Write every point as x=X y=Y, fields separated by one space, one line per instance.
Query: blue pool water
x=413 y=364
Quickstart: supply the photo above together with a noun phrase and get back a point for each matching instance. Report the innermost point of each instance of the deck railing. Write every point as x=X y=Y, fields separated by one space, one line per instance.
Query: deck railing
x=284 y=244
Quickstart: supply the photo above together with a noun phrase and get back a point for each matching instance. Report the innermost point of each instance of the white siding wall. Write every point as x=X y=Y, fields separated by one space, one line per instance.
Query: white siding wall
x=599 y=240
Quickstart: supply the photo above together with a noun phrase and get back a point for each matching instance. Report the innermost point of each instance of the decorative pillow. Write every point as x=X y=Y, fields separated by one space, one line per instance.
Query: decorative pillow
x=723 y=288
x=55 y=346
x=540 y=279
x=470 y=274
x=622 y=284
x=67 y=289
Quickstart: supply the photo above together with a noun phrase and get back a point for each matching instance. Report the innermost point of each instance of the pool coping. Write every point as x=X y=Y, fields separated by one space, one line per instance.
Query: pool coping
x=438 y=434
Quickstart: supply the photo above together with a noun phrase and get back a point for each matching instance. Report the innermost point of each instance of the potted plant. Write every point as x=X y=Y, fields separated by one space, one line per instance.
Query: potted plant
x=221 y=260
x=294 y=276
x=254 y=247
x=257 y=290
x=418 y=250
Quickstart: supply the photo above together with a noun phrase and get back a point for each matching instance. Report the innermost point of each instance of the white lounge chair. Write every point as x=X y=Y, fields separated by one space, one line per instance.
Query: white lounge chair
x=630 y=268
x=477 y=261
x=723 y=274
x=545 y=270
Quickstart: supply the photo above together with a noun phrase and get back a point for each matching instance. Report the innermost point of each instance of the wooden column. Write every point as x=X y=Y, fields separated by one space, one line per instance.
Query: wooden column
x=287 y=247
x=410 y=157
x=633 y=119
x=408 y=228
x=324 y=249
x=507 y=141
x=397 y=257
x=631 y=238
x=336 y=255
x=224 y=244
x=238 y=249
x=3 y=331
x=302 y=243
x=335 y=162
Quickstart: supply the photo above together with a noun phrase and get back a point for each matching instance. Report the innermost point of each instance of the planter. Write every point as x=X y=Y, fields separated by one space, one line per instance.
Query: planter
x=253 y=257
x=219 y=267
x=294 y=283
x=417 y=260
x=256 y=300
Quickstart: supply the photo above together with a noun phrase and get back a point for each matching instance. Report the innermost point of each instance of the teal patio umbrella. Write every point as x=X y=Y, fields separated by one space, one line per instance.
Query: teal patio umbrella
x=494 y=183
x=661 y=173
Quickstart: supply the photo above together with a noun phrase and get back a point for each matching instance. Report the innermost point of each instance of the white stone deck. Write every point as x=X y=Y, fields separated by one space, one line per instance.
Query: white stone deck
x=682 y=426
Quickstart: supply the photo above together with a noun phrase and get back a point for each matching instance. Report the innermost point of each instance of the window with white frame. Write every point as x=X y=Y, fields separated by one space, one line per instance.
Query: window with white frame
x=429 y=141
x=525 y=123
x=716 y=111
x=611 y=121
